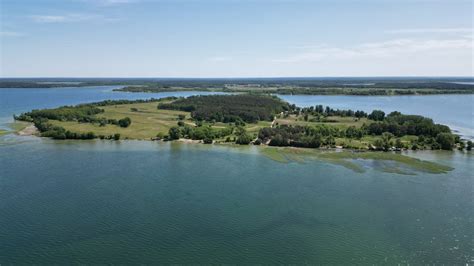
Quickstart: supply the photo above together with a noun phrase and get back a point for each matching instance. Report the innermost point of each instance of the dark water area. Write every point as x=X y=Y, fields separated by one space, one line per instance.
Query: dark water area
x=150 y=202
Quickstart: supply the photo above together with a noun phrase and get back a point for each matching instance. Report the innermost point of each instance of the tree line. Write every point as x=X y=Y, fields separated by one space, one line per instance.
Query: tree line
x=229 y=108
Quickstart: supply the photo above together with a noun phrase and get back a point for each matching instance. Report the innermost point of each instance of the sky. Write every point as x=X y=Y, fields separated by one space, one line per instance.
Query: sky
x=236 y=38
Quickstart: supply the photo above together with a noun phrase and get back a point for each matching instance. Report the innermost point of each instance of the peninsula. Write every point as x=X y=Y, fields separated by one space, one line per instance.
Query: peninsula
x=243 y=119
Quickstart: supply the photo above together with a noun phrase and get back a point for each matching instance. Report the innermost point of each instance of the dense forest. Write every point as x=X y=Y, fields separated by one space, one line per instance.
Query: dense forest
x=229 y=108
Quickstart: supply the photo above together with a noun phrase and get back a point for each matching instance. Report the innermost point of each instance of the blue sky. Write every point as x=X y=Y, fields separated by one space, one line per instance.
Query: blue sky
x=231 y=38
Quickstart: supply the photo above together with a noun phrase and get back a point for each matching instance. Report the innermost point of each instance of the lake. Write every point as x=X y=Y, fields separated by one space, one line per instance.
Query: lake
x=150 y=202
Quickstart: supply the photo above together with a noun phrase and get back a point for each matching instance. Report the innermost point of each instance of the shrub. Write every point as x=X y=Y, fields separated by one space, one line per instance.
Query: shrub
x=243 y=139
x=125 y=122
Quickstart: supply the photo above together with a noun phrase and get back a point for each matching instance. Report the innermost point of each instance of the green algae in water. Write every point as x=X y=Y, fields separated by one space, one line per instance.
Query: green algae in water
x=389 y=162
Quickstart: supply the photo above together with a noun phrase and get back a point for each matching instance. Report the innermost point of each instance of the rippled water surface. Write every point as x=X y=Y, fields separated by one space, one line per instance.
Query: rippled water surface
x=149 y=202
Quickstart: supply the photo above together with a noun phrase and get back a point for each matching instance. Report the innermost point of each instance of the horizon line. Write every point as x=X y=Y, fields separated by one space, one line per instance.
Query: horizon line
x=230 y=77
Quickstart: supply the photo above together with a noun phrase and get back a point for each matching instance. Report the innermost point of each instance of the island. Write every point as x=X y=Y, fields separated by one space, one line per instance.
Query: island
x=243 y=119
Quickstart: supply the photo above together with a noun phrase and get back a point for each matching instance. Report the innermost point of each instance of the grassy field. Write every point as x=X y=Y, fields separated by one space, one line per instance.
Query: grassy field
x=147 y=121
x=335 y=121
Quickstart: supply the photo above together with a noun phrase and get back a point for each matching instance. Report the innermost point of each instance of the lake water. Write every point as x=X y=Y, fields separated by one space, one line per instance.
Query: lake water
x=149 y=202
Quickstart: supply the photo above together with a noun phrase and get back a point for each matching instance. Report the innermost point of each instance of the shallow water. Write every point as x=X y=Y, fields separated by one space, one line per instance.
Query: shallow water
x=148 y=202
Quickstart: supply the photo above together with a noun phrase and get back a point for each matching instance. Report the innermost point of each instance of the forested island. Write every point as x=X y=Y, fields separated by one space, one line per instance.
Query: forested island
x=243 y=119
x=303 y=86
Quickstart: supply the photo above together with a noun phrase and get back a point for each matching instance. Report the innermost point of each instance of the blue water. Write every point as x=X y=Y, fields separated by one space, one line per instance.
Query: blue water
x=124 y=202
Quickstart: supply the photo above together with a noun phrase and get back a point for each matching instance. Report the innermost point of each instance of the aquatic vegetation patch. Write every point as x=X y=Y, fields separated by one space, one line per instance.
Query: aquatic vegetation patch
x=18 y=126
x=388 y=162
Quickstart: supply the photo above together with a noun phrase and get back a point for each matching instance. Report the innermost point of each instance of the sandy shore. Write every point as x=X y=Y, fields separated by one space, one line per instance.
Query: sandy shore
x=188 y=140
x=28 y=131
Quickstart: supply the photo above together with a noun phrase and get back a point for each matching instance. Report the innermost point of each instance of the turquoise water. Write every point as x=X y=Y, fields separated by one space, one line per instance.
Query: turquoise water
x=150 y=202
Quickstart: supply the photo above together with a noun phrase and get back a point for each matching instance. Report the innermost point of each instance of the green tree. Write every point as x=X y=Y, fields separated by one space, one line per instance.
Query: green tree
x=379 y=145
x=125 y=122
x=243 y=139
x=330 y=141
x=386 y=140
x=207 y=140
x=445 y=141
x=174 y=133
x=377 y=115
x=398 y=144
x=116 y=136
x=469 y=145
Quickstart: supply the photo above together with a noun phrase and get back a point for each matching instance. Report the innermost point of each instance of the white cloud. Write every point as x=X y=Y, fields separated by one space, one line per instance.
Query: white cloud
x=433 y=30
x=384 y=49
x=115 y=2
x=11 y=34
x=70 y=18
x=60 y=18
x=110 y=2
x=220 y=59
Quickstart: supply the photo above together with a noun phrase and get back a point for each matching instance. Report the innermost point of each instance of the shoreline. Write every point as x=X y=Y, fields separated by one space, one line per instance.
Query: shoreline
x=400 y=162
x=297 y=94
x=29 y=130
